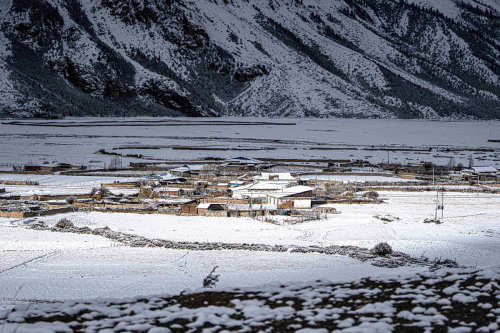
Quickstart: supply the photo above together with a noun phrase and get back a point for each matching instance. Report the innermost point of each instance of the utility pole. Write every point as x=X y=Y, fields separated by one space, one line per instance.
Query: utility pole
x=437 y=206
x=442 y=203
x=251 y=210
x=437 y=197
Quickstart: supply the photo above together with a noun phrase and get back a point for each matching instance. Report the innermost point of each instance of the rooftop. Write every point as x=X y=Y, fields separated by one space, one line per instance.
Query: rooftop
x=278 y=176
x=290 y=191
x=246 y=207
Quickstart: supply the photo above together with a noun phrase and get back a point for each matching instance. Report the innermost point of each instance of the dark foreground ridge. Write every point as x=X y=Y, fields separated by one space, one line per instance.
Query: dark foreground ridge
x=454 y=301
x=390 y=260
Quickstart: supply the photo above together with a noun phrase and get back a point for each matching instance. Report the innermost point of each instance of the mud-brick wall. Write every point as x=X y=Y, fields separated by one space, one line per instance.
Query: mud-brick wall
x=11 y=215
x=213 y=213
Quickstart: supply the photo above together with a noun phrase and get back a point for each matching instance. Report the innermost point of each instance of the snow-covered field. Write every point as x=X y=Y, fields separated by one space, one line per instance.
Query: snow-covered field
x=27 y=144
x=359 y=179
x=56 y=266
x=470 y=232
x=57 y=184
x=84 y=266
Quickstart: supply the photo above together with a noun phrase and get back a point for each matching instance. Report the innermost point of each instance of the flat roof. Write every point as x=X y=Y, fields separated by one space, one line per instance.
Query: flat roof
x=290 y=191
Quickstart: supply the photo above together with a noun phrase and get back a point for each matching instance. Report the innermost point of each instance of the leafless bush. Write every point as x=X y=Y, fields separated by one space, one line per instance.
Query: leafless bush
x=115 y=163
x=103 y=191
x=106 y=191
x=382 y=249
x=445 y=262
x=70 y=200
x=387 y=218
x=64 y=224
x=211 y=279
x=371 y=195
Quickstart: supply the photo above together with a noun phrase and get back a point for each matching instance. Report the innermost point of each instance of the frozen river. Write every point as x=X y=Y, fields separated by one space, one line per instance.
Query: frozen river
x=306 y=139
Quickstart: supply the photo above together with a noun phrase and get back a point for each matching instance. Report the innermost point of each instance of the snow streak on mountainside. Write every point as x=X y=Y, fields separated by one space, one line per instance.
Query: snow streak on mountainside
x=287 y=58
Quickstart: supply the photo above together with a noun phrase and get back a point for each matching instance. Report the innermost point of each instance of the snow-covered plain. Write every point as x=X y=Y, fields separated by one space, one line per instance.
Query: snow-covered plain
x=69 y=266
x=470 y=232
x=55 y=266
x=56 y=184
x=359 y=179
x=26 y=144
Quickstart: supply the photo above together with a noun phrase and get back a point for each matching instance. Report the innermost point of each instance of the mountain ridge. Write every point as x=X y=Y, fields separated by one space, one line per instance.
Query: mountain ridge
x=292 y=58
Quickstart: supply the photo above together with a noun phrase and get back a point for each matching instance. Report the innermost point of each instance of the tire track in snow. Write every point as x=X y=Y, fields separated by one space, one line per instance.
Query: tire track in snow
x=32 y=260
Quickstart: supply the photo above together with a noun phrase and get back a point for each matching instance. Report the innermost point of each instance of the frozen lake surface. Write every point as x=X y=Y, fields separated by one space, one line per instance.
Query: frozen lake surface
x=307 y=139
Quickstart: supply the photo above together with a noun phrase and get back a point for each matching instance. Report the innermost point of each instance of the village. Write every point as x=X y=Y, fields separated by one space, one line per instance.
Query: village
x=280 y=193
x=81 y=220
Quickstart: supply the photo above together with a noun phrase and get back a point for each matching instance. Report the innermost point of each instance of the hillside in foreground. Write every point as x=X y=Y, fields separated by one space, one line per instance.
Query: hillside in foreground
x=456 y=301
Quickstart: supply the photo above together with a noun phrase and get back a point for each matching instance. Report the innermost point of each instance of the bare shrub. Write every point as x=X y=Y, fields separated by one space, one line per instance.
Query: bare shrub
x=371 y=195
x=211 y=279
x=94 y=191
x=382 y=249
x=70 y=200
x=106 y=192
x=445 y=262
x=115 y=163
x=102 y=191
x=64 y=224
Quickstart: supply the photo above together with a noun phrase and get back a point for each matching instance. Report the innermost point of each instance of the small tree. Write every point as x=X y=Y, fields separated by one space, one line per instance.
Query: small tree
x=211 y=279
x=115 y=163
x=371 y=195
x=70 y=200
x=17 y=167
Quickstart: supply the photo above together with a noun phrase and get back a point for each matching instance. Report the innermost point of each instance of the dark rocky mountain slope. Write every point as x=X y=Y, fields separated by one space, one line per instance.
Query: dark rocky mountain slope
x=287 y=58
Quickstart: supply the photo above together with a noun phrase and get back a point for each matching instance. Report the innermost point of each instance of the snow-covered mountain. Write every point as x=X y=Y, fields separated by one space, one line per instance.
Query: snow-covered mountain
x=273 y=58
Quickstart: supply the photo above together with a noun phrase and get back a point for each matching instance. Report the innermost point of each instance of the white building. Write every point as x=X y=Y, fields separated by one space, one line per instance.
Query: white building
x=188 y=169
x=480 y=171
x=257 y=190
x=298 y=197
x=276 y=177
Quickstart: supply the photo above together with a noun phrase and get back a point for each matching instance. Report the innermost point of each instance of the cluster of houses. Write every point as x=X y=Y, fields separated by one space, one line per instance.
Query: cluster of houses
x=256 y=194
x=236 y=187
x=480 y=173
